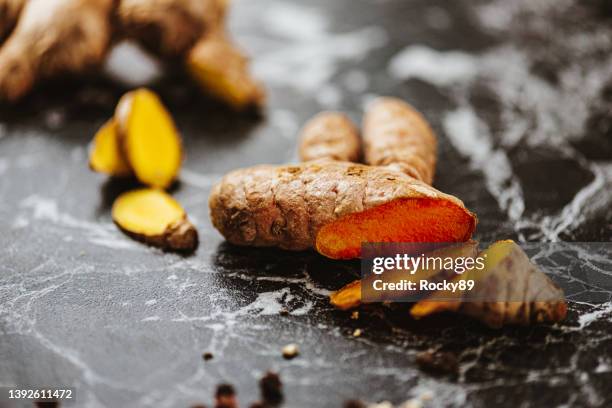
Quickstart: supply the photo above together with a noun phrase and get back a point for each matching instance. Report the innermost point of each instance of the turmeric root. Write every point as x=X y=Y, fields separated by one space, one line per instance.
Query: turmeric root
x=396 y=135
x=49 y=39
x=350 y=296
x=149 y=139
x=105 y=155
x=153 y=217
x=330 y=135
x=509 y=290
x=334 y=206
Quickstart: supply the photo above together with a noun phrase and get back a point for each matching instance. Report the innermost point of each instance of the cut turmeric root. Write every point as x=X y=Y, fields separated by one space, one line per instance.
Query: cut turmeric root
x=334 y=206
x=153 y=217
x=105 y=155
x=509 y=290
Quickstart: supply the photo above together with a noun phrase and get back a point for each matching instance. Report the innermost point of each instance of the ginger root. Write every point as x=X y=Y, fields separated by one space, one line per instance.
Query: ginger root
x=222 y=70
x=9 y=13
x=330 y=135
x=335 y=206
x=153 y=217
x=105 y=153
x=149 y=138
x=51 y=37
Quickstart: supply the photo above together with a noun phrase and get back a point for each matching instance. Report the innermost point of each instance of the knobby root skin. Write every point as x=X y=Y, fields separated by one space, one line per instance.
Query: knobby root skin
x=335 y=206
x=155 y=218
x=149 y=139
x=511 y=290
x=397 y=135
x=170 y=28
x=105 y=153
x=330 y=135
x=41 y=43
x=222 y=70
x=40 y=46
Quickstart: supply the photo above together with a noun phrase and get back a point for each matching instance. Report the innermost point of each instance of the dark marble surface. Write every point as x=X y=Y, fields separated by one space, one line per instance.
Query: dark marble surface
x=520 y=93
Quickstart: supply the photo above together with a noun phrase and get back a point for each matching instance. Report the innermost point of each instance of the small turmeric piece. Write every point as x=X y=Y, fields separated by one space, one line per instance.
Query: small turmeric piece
x=330 y=135
x=105 y=155
x=510 y=290
x=155 y=218
x=149 y=138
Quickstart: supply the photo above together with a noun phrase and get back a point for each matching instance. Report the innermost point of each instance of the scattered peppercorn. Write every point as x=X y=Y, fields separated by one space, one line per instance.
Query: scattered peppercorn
x=271 y=389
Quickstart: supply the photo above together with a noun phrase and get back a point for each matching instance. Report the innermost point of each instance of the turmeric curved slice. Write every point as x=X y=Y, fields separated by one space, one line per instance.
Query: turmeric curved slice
x=149 y=138
x=154 y=217
x=105 y=154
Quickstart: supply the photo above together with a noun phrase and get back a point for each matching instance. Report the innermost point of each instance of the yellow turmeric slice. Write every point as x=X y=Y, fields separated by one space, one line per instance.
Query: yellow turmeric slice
x=105 y=155
x=149 y=138
x=153 y=217
x=510 y=289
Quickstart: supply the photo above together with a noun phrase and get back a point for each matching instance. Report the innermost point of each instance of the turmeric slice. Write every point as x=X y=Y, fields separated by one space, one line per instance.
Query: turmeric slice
x=509 y=290
x=149 y=138
x=153 y=217
x=105 y=155
x=350 y=296
x=222 y=70
x=330 y=135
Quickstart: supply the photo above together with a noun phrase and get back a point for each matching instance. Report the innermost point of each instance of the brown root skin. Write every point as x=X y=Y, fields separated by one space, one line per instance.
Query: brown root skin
x=222 y=70
x=169 y=28
x=248 y=210
x=149 y=139
x=9 y=13
x=40 y=47
x=330 y=135
x=153 y=217
x=509 y=291
x=397 y=135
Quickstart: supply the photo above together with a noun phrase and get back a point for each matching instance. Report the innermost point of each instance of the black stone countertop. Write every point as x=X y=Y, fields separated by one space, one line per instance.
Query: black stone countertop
x=520 y=93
